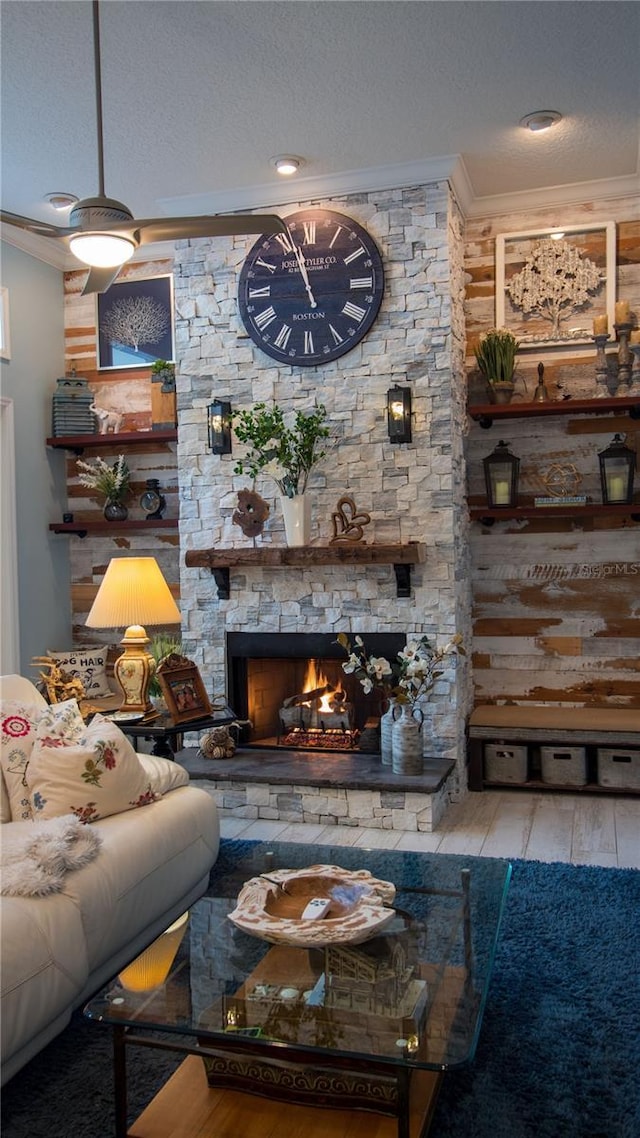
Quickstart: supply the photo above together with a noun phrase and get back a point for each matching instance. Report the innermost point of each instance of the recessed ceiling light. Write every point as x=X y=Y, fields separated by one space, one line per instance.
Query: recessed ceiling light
x=60 y=200
x=540 y=120
x=287 y=164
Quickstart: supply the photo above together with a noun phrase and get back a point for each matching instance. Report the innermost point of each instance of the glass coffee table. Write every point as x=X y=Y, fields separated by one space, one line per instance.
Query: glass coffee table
x=334 y=1029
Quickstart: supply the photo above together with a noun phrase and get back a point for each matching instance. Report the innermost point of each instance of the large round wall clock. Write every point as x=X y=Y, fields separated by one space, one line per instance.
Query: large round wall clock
x=310 y=295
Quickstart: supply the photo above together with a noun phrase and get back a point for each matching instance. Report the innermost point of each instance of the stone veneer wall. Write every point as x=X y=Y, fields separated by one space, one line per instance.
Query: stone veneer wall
x=413 y=492
x=406 y=810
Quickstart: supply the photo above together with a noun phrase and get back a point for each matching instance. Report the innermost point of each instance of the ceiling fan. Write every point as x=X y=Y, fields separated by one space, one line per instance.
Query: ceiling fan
x=104 y=234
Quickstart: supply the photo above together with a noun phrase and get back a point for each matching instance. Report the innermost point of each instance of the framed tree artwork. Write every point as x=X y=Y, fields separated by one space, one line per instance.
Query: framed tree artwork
x=182 y=687
x=552 y=283
x=135 y=323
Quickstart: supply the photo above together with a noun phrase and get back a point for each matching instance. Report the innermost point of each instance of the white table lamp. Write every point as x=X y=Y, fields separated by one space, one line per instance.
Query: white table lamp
x=133 y=593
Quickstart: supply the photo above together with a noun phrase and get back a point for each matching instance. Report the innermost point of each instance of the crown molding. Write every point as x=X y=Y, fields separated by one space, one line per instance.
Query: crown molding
x=275 y=195
x=42 y=248
x=271 y=194
x=573 y=193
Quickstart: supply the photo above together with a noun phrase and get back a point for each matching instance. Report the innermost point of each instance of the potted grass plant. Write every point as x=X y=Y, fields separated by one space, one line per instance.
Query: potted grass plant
x=496 y=359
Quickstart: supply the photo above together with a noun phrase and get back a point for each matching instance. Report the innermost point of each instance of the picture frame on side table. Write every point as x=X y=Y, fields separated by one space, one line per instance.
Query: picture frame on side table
x=134 y=323
x=182 y=687
x=551 y=283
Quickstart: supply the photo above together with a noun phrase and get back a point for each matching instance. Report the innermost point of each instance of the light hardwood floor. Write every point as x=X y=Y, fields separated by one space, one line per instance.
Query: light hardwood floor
x=578 y=828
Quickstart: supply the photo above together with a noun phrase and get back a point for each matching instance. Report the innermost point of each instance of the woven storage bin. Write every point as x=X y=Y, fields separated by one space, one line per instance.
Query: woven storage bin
x=564 y=766
x=619 y=767
x=505 y=764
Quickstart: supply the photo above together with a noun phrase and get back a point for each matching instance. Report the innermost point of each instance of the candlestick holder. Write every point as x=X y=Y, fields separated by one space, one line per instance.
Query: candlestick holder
x=623 y=332
x=602 y=370
x=634 y=389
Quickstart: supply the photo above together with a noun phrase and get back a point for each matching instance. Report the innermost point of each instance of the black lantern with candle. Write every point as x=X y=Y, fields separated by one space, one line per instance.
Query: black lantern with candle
x=617 y=467
x=219 y=426
x=399 y=414
x=501 y=471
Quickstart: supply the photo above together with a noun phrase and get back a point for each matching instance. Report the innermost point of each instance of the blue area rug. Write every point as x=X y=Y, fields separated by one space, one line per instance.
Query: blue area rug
x=559 y=1051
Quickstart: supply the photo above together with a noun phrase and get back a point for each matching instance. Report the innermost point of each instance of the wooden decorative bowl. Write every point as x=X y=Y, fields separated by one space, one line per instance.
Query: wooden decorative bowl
x=270 y=906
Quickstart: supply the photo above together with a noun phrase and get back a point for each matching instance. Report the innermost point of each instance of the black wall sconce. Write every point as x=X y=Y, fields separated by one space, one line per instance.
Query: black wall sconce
x=399 y=414
x=617 y=467
x=219 y=426
x=501 y=471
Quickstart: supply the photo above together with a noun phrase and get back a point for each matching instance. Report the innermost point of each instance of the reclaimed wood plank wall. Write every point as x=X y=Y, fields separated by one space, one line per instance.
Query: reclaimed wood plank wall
x=556 y=602
x=125 y=390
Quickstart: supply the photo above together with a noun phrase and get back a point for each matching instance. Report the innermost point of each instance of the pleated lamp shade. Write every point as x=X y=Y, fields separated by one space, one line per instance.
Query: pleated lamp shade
x=133 y=591
x=152 y=967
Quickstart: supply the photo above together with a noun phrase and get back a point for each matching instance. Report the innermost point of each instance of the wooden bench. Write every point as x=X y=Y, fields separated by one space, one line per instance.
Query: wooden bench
x=528 y=724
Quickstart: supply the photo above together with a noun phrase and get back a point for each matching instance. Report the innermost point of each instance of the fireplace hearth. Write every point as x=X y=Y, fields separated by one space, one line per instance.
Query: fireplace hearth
x=292 y=689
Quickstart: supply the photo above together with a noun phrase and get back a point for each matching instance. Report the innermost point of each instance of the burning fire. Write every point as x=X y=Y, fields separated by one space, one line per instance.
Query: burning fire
x=315 y=678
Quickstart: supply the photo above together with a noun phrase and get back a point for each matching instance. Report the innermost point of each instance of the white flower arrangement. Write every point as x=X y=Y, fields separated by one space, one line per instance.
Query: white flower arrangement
x=421 y=666
x=409 y=677
x=112 y=481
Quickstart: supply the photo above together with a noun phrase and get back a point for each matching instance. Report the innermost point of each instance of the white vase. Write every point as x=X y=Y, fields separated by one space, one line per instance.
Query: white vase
x=296 y=512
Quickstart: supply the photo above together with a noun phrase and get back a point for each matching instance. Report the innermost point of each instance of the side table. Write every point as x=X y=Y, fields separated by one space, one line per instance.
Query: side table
x=167 y=735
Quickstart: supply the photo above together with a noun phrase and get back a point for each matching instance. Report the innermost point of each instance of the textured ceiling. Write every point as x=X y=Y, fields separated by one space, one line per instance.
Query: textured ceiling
x=198 y=96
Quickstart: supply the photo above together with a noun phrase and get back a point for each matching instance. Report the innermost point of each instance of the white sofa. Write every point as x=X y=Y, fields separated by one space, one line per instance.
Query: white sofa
x=59 y=949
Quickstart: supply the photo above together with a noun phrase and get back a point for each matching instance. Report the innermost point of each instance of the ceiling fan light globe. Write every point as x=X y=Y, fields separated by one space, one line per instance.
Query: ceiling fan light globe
x=102 y=250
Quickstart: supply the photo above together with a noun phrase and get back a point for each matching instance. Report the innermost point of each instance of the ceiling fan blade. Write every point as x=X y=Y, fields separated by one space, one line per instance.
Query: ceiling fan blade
x=42 y=228
x=213 y=225
x=98 y=280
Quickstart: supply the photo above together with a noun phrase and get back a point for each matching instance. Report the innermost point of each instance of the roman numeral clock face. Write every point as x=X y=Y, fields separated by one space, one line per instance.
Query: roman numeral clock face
x=310 y=295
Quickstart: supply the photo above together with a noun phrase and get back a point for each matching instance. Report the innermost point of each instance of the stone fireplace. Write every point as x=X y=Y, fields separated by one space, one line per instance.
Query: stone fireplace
x=414 y=492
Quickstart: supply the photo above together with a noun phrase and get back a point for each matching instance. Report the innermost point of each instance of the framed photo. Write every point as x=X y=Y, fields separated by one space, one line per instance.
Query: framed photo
x=552 y=283
x=183 y=689
x=134 y=323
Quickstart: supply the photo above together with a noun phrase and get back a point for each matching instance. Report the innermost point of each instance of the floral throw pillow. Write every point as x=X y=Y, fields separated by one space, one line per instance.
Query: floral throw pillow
x=93 y=777
x=20 y=724
x=88 y=665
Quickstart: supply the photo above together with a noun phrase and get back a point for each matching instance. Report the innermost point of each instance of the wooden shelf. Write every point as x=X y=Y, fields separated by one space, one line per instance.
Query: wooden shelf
x=502 y=514
x=220 y=561
x=78 y=443
x=104 y=527
x=487 y=413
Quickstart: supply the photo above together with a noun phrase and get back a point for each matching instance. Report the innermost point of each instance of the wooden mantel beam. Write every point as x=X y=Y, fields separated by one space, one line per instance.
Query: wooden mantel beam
x=219 y=561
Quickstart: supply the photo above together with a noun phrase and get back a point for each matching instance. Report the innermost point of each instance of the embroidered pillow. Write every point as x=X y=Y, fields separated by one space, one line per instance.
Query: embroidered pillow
x=89 y=665
x=20 y=724
x=98 y=775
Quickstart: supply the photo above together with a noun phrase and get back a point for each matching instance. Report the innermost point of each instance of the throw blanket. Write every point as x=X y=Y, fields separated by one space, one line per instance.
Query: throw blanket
x=35 y=860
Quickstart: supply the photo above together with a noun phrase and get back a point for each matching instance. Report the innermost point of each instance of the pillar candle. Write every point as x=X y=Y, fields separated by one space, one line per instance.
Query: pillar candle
x=600 y=325
x=501 y=493
x=616 y=487
x=622 y=311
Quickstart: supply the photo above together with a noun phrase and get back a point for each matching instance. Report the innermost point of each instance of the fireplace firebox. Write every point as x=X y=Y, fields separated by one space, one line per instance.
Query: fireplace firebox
x=292 y=689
